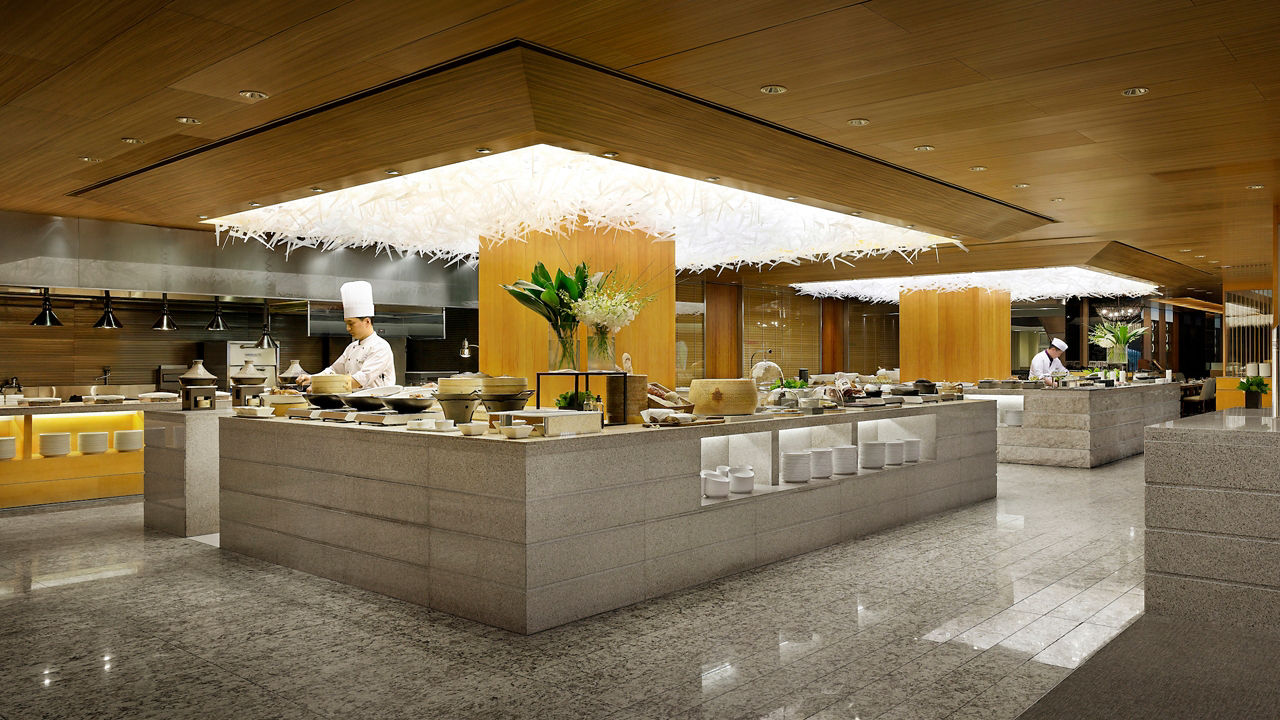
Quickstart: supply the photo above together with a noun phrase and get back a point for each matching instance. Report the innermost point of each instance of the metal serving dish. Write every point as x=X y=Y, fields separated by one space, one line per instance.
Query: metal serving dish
x=506 y=402
x=407 y=404
x=364 y=403
x=327 y=401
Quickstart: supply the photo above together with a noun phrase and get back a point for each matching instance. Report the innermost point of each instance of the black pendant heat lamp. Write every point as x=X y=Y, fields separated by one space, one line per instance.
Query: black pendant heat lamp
x=216 y=324
x=46 y=318
x=266 y=342
x=166 y=321
x=108 y=320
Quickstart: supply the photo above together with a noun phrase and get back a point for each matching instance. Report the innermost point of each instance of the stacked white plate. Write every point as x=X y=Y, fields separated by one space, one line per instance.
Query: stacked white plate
x=911 y=449
x=92 y=443
x=128 y=440
x=54 y=444
x=820 y=462
x=8 y=447
x=795 y=467
x=871 y=454
x=1013 y=418
x=894 y=452
x=844 y=459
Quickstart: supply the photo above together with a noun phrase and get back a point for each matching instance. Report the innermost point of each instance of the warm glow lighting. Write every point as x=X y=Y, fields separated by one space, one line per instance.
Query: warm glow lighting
x=443 y=213
x=1022 y=285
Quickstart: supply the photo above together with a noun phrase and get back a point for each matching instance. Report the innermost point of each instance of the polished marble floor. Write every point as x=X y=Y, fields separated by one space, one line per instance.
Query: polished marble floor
x=975 y=613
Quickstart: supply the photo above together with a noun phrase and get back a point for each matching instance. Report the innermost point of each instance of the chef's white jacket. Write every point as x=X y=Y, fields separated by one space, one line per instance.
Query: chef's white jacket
x=1043 y=366
x=369 y=362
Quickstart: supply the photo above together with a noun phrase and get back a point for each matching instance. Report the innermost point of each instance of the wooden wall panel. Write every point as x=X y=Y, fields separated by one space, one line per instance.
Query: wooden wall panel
x=513 y=339
x=723 y=330
x=957 y=336
x=835 y=325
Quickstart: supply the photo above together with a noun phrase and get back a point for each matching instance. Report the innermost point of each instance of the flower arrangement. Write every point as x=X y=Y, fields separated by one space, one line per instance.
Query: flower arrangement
x=553 y=298
x=608 y=306
x=1114 y=337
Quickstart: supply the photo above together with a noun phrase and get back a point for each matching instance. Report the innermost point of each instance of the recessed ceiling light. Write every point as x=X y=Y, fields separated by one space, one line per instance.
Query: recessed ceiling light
x=1055 y=199
x=1135 y=91
x=1224 y=267
x=610 y=153
x=1022 y=185
x=483 y=150
x=910 y=226
x=793 y=197
x=855 y=212
x=955 y=237
x=185 y=120
x=923 y=148
x=1254 y=187
x=860 y=122
x=977 y=168
x=203 y=217
x=1199 y=256
x=255 y=204
x=1214 y=262
x=712 y=178
x=1185 y=250
x=254 y=94
x=89 y=159
x=132 y=140
x=773 y=89
x=393 y=172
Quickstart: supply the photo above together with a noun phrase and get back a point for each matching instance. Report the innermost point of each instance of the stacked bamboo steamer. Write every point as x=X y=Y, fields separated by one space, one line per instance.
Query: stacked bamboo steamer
x=330 y=384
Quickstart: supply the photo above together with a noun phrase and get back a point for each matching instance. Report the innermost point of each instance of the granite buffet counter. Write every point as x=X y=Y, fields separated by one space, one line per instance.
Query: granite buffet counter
x=531 y=534
x=1080 y=427
x=1213 y=519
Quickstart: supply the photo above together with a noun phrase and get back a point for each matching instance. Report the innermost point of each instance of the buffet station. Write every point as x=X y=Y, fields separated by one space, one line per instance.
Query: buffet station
x=461 y=498
x=1079 y=423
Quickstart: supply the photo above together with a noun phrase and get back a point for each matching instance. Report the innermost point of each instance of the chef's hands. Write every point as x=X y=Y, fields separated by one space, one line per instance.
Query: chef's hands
x=303 y=381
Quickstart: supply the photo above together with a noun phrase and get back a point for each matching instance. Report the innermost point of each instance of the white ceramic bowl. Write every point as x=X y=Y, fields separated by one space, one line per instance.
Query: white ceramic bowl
x=92 y=443
x=128 y=440
x=714 y=485
x=8 y=447
x=55 y=444
x=474 y=428
x=516 y=432
x=742 y=481
x=420 y=425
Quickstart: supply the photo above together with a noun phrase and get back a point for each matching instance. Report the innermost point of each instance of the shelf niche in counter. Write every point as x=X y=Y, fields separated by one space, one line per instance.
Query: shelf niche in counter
x=754 y=449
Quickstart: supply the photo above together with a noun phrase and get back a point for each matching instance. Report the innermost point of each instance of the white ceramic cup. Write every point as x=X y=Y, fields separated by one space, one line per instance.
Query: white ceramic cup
x=444 y=424
x=742 y=481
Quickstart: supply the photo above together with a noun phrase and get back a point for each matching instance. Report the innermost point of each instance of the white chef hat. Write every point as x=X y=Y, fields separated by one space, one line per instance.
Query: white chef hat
x=357 y=299
x=1060 y=344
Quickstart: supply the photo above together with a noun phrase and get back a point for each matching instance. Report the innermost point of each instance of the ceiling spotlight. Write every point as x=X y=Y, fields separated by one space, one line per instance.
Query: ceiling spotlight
x=860 y=122
x=393 y=172
x=1055 y=200
x=132 y=140
x=483 y=150
x=46 y=318
x=203 y=217
x=772 y=89
x=254 y=94
x=1021 y=185
x=712 y=178
x=977 y=168
x=255 y=204
x=89 y=159
x=793 y=197
x=610 y=153
x=923 y=148
x=1135 y=91
x=185 y=120
x=1254 y=187
x=317 y=189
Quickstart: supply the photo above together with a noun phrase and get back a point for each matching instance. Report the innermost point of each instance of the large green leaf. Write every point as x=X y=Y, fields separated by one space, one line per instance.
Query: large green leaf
x=541 y=276
x=573 y=289
x=551 y=298
x=530 y=302
x=580 y=276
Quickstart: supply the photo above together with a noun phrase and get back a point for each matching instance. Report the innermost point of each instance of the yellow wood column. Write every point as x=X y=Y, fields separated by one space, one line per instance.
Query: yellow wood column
x=513 y=338
x=954 y=336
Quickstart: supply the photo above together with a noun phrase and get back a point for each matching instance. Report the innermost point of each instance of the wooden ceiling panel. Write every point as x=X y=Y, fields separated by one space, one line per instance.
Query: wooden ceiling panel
x=137 y=62
x=264 y=18
x=19 y=74
x=60 y=32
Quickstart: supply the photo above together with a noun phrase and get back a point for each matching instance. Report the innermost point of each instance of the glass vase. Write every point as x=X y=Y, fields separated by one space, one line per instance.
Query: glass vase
x=562 y=347
x=601 y=350
x=1118 y=355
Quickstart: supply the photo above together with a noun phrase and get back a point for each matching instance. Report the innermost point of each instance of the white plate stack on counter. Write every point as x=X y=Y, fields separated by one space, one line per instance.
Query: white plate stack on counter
x=911 y=449
x=92 y=443
x=871 y=454
x=55 y=444
x=796 y=467
x=128 y=440
x=894 y=452
x=844 y=460
x=820 y=462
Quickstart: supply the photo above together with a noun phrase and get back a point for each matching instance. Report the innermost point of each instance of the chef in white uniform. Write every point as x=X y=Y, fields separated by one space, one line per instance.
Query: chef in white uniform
x=368 y=359
x=1048 y=361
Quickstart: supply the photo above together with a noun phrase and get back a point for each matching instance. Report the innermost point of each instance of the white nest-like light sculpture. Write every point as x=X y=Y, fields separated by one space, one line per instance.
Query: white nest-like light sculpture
x=443 y=213
x=1022 y=285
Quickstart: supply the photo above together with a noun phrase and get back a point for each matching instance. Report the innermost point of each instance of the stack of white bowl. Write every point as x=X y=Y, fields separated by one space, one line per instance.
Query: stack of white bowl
x=742 y=480
x=795 y=467
x=54 y=444
x=911 y=449
x=128 y=440
x=8 y=447
x=844 y=460
x=714 y=484
x=820 y=462
x=894 y=452
x=92 y=443
x=871 y=454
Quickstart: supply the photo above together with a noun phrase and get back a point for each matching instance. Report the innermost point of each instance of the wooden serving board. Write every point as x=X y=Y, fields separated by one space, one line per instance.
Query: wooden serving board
x=707 y=421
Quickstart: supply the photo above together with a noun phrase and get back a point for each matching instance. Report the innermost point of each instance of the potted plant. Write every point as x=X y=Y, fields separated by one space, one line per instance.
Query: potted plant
x=553 y=299
x=1114 y=337
x=1254 y=388
x=572 y=401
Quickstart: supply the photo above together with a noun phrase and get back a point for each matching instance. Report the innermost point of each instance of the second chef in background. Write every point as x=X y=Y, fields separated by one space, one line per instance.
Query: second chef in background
x=368 y=359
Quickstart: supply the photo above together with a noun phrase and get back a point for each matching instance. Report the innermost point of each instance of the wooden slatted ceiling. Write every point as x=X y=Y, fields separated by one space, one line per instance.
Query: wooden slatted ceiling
x=1029 y=89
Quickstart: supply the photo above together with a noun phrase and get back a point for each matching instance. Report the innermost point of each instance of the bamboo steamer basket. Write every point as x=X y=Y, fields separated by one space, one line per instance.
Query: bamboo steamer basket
x=460 y=385
x=637 y=394
x=330 y=384
x=503 y=385
x=723 y=396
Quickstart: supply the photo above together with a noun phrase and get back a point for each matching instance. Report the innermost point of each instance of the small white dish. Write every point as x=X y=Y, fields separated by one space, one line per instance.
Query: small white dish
x=714 y=485
x=420 y=425
x=474 y=428
x=742 y=482
x=516 y=432
x=444 y=425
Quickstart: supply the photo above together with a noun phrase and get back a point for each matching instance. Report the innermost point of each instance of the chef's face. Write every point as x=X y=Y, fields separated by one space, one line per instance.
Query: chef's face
x=1054 y=352
x=359 y=328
